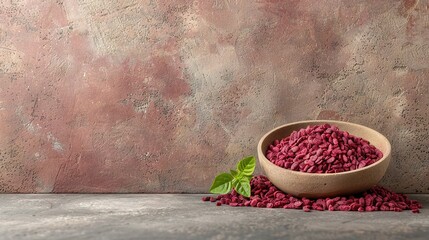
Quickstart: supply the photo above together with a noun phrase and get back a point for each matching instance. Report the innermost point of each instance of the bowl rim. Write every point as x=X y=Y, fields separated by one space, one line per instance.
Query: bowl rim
x=385 y=155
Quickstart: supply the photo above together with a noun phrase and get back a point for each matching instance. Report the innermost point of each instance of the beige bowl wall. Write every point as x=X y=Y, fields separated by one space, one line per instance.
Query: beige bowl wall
x=314 y=185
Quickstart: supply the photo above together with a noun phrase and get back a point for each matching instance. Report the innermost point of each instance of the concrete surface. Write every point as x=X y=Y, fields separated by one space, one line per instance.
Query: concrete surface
x=160 y=95
x=146 y=216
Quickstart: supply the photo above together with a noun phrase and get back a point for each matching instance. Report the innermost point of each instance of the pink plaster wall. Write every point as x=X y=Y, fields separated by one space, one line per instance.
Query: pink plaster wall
x=160 y=96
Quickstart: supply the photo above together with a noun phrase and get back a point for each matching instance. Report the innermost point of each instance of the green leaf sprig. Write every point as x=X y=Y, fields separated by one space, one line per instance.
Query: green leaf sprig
x=238 y=179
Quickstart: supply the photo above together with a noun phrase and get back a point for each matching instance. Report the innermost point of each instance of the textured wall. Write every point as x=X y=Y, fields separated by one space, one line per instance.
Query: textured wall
x=159 y=96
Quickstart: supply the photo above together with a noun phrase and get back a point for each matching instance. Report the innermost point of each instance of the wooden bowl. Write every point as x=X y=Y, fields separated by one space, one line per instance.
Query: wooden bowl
x=315 y=185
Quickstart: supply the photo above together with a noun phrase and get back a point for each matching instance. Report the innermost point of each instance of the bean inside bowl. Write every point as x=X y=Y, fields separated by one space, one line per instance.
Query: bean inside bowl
x=305 y=184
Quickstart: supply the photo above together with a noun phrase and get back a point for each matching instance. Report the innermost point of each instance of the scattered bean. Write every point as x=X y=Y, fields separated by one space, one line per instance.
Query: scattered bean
x=265 y=195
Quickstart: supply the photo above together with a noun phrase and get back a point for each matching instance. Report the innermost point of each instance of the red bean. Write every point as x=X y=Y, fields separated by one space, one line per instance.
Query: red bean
x=320 y=146
x=279 y=195
x=295 y=166
x=344 y=208
x=306 y=167
x=330 y=160
x=306 y=208
x=294 y=149
x=205 y=199
x=266 y=195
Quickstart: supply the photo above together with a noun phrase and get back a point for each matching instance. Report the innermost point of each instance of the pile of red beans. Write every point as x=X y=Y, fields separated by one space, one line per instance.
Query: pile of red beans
x=265 y=195
x=322 y=149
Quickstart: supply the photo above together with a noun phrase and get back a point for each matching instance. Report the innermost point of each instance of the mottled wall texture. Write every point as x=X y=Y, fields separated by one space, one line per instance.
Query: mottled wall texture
x=160 y=96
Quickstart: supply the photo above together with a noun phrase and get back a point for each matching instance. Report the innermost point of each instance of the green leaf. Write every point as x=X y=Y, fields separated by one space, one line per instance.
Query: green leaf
x=242 y=186
x=222 y=183
x=234 y=182
x=238 y=179
x=248 y=177
x=234 y=173
x=247 y=165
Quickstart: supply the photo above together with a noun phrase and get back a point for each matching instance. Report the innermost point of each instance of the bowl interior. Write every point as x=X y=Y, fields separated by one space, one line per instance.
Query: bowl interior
x=374 y=137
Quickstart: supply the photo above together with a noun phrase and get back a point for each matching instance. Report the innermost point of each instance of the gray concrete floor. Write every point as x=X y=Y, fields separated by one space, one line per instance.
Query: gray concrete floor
x=170 y=216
